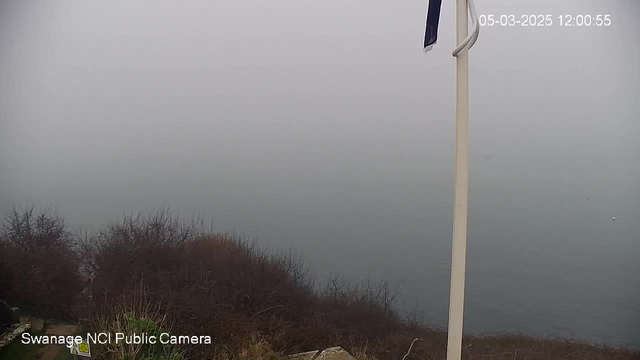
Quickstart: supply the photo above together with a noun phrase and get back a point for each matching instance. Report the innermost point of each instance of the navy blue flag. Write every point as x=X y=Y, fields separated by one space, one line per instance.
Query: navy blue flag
x=431 y=31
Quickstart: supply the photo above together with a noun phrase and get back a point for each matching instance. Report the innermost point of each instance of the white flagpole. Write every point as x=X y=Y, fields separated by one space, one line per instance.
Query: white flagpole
x=461 y=196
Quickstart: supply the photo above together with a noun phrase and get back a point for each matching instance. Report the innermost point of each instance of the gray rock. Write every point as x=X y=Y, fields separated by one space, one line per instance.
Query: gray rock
x=15 y=315
x=7 y=315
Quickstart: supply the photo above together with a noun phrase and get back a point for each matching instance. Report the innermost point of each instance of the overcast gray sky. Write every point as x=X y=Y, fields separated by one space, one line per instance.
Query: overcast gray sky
x=109 y=97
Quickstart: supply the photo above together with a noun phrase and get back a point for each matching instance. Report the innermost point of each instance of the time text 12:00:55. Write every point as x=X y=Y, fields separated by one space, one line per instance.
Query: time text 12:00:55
x=545 y=20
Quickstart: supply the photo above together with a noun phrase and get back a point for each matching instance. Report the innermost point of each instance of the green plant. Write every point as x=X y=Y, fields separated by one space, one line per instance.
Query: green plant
x=257 y=349
x=138 y=317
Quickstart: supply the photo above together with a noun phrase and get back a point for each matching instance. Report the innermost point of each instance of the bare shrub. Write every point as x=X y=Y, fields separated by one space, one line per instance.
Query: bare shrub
x=38 y=263
x=127 y=251
x=226 y=287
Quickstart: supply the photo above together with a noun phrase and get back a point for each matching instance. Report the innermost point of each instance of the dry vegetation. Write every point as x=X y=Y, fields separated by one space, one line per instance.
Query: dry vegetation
x=38 y=264
x=158 y=272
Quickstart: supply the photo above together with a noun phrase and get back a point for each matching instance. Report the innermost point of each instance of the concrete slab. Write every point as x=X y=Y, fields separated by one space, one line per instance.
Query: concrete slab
x=37 y=324
x=61 y=330
x=335 y=353
x=309 y=355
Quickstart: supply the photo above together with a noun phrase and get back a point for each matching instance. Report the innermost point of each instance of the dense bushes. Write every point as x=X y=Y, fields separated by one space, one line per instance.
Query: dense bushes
x=38 y=264
x=155 y=273
x=223 y=286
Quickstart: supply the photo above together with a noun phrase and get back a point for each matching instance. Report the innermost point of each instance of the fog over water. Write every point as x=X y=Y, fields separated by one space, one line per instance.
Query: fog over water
x=321 y=125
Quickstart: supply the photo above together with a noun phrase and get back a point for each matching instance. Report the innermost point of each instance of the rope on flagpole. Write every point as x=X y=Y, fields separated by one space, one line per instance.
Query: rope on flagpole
x=471 y=39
